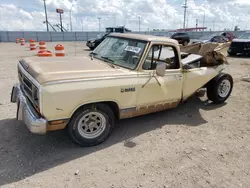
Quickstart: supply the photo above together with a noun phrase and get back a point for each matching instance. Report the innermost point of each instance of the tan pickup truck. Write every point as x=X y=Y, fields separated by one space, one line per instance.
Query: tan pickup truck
x=127 y=75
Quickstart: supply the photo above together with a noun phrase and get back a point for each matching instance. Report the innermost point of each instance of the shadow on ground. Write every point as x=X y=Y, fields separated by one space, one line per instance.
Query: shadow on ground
x=24 y=154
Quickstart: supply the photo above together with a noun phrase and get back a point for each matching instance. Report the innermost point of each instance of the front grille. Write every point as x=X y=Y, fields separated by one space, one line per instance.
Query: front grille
x=29 y=89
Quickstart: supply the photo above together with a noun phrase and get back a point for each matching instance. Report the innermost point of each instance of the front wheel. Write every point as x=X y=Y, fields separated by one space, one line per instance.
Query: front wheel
x=91 y=125
x=219 y=89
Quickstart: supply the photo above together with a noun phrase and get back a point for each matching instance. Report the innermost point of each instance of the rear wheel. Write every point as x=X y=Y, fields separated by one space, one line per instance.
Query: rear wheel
x=219 y=89
x=91 y=125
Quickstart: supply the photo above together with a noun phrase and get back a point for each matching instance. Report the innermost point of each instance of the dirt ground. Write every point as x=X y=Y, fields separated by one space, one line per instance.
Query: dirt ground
x=195 y=145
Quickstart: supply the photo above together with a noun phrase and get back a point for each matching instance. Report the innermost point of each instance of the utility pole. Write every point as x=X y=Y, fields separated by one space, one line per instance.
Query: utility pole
x=196 y=24
x=139 y=23
x=99 y=23
x=61 y=21
x=115 y=20
x=70 y=18
x=213 y=25
x=82 y=24
x=204 y=19
x=46 y=16
x=185 y=12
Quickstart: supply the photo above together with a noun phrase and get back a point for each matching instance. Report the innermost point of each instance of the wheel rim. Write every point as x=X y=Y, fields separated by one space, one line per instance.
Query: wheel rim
x=92 y=125
x=224 y=88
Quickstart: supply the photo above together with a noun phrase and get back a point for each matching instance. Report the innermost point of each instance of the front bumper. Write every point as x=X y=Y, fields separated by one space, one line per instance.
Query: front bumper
x=26 y=113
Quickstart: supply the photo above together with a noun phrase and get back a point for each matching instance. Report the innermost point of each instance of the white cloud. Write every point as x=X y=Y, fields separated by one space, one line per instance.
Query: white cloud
x=162 y=14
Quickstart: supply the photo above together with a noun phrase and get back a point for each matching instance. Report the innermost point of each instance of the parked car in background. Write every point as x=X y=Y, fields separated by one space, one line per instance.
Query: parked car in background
x=240 y=45
x=211 y=38
x=229 y=35
x=93 y=43
x=182 y=38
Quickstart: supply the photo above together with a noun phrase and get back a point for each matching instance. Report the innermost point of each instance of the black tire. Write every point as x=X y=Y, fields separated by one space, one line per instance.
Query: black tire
x=77 y=135
x=213 y=88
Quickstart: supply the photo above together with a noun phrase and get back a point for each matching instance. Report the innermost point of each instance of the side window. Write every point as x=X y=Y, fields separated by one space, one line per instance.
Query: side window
x=161 y=53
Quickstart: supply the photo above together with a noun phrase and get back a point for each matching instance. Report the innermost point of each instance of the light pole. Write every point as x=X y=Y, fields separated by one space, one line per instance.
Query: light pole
x=99 y=23
x=115 y=20
x=46 y=16
x=204 y=15
x=139 y=23
x=204 y=19
x=185 y=11
x=196 y=24
x=70 y=18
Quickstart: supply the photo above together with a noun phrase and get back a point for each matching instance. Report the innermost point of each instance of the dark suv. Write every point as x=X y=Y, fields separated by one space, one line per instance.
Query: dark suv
x=182 y=38
x=93 y=43
x=240 y=45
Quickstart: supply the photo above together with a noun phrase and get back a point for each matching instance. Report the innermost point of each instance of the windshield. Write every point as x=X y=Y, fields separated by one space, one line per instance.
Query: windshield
x=245 y=36
x=99 y=36
x=206 y=37
x=120 y=51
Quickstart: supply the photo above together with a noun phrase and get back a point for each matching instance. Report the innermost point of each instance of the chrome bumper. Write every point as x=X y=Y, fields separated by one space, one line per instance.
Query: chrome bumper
x=26 y=113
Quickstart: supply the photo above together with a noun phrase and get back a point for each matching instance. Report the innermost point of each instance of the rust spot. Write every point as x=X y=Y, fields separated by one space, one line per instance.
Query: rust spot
x=143 y=110
x=56 y=127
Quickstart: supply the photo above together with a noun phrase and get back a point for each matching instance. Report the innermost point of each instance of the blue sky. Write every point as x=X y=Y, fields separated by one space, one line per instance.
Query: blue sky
x=158 y=14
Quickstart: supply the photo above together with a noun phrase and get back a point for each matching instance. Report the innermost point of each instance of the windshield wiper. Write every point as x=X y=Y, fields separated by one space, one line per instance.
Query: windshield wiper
x=92 y=55
x=107 y=58
x=109 y=61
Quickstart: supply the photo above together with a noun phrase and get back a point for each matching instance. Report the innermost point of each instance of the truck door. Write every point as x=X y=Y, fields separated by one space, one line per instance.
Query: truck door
x=157 y=93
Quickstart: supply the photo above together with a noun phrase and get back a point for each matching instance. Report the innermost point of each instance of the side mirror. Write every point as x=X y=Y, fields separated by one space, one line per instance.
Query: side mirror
x=160 y=68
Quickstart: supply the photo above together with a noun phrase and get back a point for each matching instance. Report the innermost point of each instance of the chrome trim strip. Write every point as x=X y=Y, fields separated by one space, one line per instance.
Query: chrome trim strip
x=35 y=83
x=28 y=76
x=25 y=113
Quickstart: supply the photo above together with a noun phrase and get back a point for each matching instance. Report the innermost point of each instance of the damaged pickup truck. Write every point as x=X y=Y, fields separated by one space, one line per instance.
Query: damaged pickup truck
x=127 y=75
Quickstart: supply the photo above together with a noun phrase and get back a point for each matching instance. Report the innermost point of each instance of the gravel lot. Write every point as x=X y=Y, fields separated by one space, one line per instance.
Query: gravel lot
x=195 y=145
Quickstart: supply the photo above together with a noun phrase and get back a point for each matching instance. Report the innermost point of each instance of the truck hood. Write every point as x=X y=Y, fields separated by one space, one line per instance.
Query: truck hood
x=50 y=69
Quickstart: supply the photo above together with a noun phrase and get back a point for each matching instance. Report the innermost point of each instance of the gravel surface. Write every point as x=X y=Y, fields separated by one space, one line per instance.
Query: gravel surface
x=195 y=145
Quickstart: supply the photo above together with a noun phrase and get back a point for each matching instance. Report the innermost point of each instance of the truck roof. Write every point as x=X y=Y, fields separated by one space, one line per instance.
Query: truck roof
x=150 y=38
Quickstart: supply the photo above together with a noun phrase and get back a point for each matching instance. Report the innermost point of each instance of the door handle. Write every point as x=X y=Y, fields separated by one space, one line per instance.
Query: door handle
x=180 y=77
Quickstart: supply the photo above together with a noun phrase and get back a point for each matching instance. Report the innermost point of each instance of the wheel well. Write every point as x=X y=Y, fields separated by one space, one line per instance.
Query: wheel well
x=113 y=105
x=214 y=79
